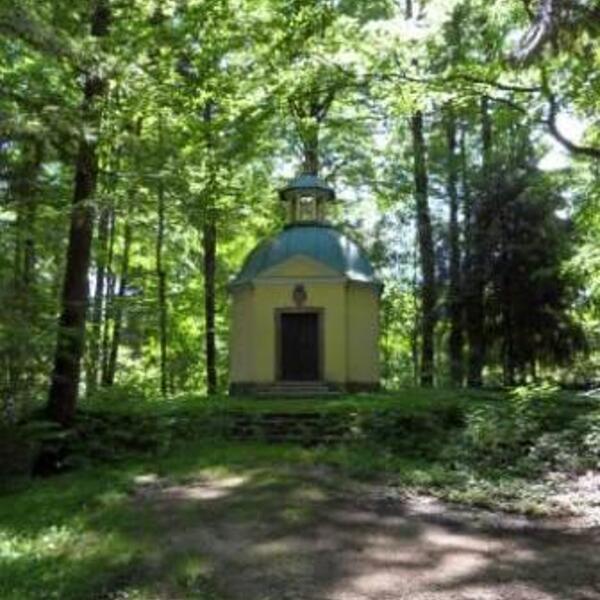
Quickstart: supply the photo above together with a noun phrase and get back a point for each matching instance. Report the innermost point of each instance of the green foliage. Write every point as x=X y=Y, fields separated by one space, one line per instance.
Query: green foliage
x=17 y=452
x=208 y=108
x=536 y=429
x=500 y=432
x=413 y=434
x=214 y=105
x=531 y=430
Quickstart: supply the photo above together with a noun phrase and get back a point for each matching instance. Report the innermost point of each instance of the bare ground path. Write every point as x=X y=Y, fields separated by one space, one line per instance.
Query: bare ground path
x=304 y=535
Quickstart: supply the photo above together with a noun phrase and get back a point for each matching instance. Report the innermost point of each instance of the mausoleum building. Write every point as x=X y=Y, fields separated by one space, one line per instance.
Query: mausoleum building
x=305 y=305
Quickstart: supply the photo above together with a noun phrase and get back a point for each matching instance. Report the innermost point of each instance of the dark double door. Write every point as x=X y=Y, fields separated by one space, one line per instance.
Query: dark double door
x=299 y=345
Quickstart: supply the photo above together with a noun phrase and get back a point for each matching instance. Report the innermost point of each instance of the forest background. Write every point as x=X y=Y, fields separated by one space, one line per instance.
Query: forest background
x=142 y=144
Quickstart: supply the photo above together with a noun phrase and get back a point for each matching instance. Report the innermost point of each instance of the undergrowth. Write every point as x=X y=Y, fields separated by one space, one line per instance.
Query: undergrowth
x=78 y=534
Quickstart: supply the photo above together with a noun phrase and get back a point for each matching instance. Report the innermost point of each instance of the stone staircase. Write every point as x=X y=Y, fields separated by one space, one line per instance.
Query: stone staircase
x=306 y=428
x=297 y=389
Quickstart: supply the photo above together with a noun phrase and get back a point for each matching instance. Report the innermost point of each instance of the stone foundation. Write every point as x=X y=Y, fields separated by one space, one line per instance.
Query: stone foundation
x=301 y=388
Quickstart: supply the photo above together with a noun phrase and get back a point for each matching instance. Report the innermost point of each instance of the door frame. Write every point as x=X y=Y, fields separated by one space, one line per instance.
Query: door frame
x=320 y=312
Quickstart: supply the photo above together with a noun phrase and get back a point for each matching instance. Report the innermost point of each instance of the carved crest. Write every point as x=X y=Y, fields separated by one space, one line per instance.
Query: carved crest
x=299 y=295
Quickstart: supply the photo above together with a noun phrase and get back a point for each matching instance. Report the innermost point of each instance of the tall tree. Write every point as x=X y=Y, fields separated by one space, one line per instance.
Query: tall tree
x=161 y=275
x=209 y=248
x=118 y=310
x=93 y=361
x=109 y=292
x=309 y=109
x=476 y=268
x=455 y=304
x=426 y=250
x=63 y=393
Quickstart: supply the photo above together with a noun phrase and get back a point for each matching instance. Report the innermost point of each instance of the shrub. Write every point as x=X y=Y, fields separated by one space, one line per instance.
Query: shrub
x=590 y=447
x=420 y=433
x=16 y=451
x=21 y=444
x=500 y=433
x=535 y=430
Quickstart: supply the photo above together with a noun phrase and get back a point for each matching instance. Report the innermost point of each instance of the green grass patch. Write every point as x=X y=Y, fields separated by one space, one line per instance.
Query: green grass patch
x=409 y=400
x=83 y=535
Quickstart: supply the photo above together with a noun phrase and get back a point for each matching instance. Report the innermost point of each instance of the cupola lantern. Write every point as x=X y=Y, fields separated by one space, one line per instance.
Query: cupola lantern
x=306 y=197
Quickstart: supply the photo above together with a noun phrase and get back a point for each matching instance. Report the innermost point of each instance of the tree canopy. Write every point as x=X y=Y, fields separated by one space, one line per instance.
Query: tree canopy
x=142 y=144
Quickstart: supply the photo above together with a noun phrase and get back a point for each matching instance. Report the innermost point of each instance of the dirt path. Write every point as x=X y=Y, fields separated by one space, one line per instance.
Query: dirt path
x=300 y=535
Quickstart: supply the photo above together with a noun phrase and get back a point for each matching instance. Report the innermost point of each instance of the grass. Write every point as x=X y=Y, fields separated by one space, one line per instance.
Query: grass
x=80 y=535
x=409 y=400
x=83 y=534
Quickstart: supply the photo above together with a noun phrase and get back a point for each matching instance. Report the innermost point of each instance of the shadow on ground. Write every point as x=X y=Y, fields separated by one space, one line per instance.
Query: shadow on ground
x=270 y=532
x=300 y=535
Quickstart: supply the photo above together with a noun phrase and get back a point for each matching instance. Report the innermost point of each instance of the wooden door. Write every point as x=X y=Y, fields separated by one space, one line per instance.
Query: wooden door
x=299 y=344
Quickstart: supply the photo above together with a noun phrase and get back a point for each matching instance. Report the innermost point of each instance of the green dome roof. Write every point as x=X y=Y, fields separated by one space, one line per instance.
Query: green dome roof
x=318 y=241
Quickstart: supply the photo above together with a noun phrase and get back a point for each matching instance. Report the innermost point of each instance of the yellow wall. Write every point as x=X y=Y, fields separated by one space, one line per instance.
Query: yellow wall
x=350 y=331
x=326 y=296
x=363 y=333
x=241 y=336
x=299 y=266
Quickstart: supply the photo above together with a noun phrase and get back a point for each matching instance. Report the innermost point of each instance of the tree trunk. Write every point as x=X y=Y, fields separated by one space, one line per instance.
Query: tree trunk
x=29 y=254
x=508 y=363
x=63 y=393
x=475 y=288
x=14 y=356
x=118 y=308
x=311 y=149
x=96 y=316
x=455 y=309
x=426 y=252
x=506 y=297
x=310 y=115
x=416 y=326
x=69 y=349
x=486 y=135
x=209 y=247
x=109 y=294
x=161 y=277
x=466 y=198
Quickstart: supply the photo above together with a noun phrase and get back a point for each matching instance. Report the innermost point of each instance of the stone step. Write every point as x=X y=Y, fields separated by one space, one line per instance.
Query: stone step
x=298 y=394
x=297 y=389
